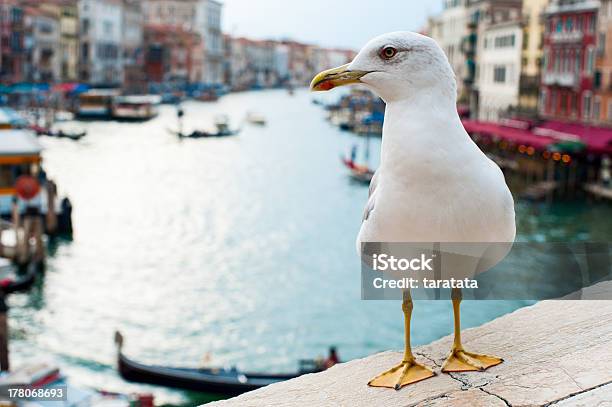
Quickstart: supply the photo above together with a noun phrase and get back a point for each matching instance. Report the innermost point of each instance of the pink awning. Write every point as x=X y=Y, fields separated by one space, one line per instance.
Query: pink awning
x=597 y=139
x=515 y=135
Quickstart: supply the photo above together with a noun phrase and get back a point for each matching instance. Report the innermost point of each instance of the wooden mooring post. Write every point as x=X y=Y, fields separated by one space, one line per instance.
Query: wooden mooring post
x=4 y=335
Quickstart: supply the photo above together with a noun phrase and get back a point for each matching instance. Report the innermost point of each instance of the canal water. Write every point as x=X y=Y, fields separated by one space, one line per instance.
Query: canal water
x=236 y=251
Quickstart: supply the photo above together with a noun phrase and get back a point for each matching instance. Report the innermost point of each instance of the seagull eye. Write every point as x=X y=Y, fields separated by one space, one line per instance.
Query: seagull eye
x=388 y=52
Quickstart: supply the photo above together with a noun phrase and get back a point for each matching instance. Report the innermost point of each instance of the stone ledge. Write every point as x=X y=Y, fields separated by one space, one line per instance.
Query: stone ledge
x=556 y=352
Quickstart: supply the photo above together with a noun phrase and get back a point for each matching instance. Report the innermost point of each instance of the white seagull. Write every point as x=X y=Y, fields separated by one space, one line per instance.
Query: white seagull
x=433 y=184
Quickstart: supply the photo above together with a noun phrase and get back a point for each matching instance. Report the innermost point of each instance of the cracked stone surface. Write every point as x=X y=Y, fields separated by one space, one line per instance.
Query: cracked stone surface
x=555 y=353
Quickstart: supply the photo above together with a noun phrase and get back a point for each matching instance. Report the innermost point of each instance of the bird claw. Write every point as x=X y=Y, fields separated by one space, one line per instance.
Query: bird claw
x=460 y=360
x=401 y=375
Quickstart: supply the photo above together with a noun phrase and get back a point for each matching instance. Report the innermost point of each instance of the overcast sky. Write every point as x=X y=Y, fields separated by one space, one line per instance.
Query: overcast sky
x=333 y=23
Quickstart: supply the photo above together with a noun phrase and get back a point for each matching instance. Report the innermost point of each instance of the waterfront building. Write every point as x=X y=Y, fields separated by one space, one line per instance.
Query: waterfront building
x=449 y=29
x=499 y=65
x=12 y=38
x=69 y=40
x=238 y=76
x=569 y=60
x=172 y=54
x=533 y=33
x=42 y=44
x=132 y=52
x=281 y=62
x=213 y=42
x=602 y=104
x=300 y=68
x=101 y=34
x=479 y=14
x=202 y=17
x=66 y=12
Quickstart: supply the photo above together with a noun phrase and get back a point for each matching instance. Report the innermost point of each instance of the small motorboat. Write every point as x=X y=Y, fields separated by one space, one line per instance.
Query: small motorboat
x=226 y=382
x=360 y=173
x=256 y=118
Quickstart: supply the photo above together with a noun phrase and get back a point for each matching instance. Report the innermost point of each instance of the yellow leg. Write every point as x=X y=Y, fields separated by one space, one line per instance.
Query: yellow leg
x=409 y=371
x=460 y=360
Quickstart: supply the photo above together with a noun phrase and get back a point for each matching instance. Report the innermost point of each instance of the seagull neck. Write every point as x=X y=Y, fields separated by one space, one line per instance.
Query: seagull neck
x=423 y=126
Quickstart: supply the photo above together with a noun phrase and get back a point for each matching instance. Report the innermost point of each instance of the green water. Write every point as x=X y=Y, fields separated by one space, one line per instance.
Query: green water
x=242 y=248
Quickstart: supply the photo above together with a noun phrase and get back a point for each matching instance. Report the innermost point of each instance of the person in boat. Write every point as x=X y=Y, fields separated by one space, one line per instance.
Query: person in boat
x=354 y=153
x=332 y=358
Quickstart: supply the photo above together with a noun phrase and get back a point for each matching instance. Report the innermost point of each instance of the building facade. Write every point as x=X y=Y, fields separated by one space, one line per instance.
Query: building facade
x=499 y=66
x=602 y=104
x=42 y=44
x=481 y=13
x=449 y=31
x=213 y=43
x=12 y=41
x=172 y=54
x=533 y=34
x=568 y=71
x=132 y=46
x=101 y=33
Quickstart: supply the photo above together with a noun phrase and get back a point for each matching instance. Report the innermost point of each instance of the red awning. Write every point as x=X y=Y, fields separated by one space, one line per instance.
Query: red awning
x=65 y=87
x=597 y=139
x=514 y=135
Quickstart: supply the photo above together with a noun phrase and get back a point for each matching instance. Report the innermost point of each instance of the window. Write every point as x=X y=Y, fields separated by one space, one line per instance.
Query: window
x=590 y=60
x=545 y=63
x=525 y=40
x=586 y=105
x=579 y=23
x=505 y=41
x=569 y=24
x=499 y=74
x=557 y=61
x=578 y=62
x=85 y=26
x=597 y=108
x=559 y=26
x=543 y=100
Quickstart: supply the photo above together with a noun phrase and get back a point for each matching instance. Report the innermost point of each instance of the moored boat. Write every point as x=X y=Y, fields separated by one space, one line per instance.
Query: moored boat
x=20 y=156
x=96 y=103
x=226 y=382
x=256 y=118
x=135 y=107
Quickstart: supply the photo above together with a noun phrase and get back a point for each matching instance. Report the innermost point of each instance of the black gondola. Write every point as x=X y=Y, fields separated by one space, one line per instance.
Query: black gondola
x=226 y=382
x=204 y=134
x=21 y=281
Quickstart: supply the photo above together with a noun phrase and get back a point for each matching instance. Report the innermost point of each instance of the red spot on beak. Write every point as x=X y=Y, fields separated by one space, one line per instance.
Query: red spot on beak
x=327 y=85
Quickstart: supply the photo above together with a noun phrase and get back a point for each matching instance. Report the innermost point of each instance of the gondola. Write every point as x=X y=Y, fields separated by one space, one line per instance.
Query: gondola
x=68 y=135
x=40 y=131
x=204 y=134
x=225 y=382
x=20 y=281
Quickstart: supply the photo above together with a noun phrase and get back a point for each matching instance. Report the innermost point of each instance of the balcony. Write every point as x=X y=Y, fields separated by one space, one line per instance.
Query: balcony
x=567 y=79
x=566 y=37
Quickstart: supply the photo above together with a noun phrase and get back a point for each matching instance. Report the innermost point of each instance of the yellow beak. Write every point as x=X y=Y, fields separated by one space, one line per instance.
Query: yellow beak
x=332 y=78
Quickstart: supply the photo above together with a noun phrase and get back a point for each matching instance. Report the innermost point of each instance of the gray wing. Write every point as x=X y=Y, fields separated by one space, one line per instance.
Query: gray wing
x=371 y=197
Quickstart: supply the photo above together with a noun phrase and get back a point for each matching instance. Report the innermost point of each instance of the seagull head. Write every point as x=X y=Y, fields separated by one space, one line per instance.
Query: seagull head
x=395 y=66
